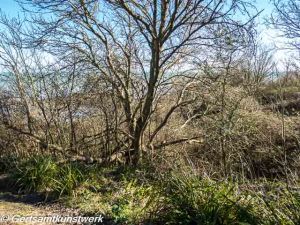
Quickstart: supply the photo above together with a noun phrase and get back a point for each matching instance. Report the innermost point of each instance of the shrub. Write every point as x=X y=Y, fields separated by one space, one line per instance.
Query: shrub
x=43 y=174
x=70 y=176
x=282 y=207
x=36 y=174
x=197 y=201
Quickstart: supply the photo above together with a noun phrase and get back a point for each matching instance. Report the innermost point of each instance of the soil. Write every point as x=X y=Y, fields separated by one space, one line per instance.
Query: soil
x=15 y=204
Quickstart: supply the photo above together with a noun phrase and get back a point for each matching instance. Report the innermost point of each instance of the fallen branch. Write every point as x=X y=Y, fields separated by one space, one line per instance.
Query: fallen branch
x=183 y=140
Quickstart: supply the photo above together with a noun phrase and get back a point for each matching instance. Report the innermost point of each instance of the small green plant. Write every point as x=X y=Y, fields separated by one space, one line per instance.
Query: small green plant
x=43 y=174
x=282 y=207
x=36 y=174
x=119 y=210
x=69 y=177
x=133 y=203
x=196 y=201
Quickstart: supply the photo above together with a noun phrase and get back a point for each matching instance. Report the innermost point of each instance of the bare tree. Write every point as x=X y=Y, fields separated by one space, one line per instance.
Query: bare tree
x=39 y=94
x=285 y=19
x=140 y=50
x=258 y=65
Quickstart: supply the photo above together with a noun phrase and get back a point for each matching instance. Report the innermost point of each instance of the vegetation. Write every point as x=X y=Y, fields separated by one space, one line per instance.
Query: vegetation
x=136 y=195
x=152 y=112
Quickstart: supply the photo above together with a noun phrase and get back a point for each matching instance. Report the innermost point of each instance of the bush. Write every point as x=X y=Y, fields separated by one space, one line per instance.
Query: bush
x=196 y=201
x=282 y=206
x=70 y=176
x=36 y=174
x=43 y=174
x=128 y=196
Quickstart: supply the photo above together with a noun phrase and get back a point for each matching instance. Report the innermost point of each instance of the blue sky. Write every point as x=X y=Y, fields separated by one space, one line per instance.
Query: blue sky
x=11 y=8
x=264 y=4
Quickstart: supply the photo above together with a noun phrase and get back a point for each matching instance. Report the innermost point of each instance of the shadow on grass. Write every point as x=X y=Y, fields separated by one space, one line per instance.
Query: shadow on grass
x=9 y=194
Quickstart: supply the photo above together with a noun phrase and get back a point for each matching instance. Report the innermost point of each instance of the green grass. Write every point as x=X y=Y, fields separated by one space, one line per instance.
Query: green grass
x=136 y=195
x=44 y=174
x=197 y=201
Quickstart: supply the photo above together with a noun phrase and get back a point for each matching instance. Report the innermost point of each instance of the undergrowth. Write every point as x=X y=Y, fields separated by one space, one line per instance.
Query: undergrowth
x=43 y=174
x=135 y=195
